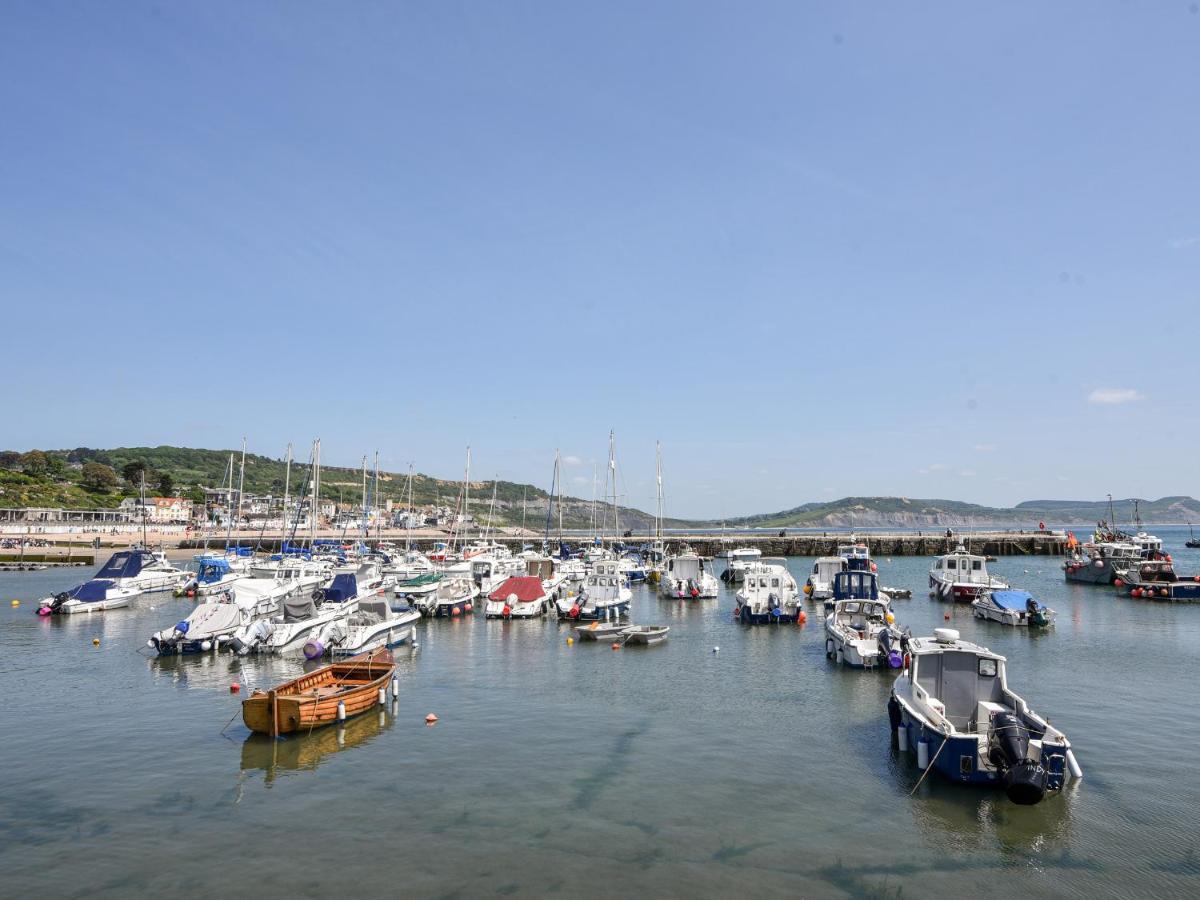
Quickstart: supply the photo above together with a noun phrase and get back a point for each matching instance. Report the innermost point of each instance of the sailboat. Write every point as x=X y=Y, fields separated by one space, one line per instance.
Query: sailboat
x=454 y=593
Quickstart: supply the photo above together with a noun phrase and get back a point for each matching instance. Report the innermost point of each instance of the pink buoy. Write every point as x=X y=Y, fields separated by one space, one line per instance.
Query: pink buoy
x=43 y=610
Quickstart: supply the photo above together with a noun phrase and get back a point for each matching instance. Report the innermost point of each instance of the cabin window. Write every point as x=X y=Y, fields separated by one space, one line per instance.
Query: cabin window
x=976 y=564
x=987 y=668
x=952 y=564
x=775 y=582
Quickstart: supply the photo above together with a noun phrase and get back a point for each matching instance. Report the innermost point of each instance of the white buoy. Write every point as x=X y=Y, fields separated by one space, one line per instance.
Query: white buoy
x=716 y=649
x=341 y=711
x=1073 y=765
x=923 y=754
x=841 y=657
x=395 y=686
x=206 y=646
x=382 y=696
x=902 y=738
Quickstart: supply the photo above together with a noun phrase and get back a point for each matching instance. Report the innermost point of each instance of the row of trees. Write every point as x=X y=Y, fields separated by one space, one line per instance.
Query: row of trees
x=95 y=474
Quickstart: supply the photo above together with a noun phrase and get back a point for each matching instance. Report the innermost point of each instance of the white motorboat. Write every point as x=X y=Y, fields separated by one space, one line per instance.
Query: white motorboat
x=686 y=576
x=605 y=595
x=819 y=585
x=305 y=614
x=962 y=577
x=518 y=597
x=737 y=561
x=127 y=574
x=953 y=706
x=373 y=625
x=863 y=633
x=646 y=635
x=222 y=617
x=1013 y=608
x=453 y=596
x=768 y=595
x=217 y=571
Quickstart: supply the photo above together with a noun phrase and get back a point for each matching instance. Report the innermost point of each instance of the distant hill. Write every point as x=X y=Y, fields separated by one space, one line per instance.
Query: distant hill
x=875 y=512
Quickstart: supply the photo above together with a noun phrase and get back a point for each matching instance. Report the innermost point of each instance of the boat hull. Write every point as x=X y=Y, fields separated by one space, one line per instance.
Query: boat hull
x=312 y=701
x=747 y=616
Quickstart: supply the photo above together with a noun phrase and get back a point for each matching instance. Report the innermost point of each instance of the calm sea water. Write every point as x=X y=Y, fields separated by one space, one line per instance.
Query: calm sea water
x=671 y=771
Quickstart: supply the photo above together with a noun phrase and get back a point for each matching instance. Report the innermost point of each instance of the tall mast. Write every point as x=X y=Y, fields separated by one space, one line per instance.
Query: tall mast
x=492 y=510
x=658 y=477
x=408 y=518
x=595 y=477
x=287 y=483
x=466 y=497
x=229 y=506
x=241 y=486
x=524 y=498
x=144 y=544
x=364 y=499
x=558 y=478
x=550 y=504
x=316 y=503
x=375 y=498
x=612 y=465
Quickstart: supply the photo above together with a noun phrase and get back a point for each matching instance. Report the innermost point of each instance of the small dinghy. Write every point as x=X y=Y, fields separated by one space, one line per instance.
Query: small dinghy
x=329 y=694
x=1013 y=608
x=600 y=631
x=646 y=635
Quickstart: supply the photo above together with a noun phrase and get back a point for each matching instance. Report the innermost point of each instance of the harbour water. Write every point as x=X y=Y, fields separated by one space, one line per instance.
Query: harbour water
x=761 y=769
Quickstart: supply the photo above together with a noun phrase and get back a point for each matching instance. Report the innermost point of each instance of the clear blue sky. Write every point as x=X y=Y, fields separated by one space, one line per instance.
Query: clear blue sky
x=818 y=249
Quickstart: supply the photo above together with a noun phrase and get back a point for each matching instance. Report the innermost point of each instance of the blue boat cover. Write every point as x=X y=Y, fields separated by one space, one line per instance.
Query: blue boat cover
x=125 y=564
x=855 y=585
x=91 y=591
x=1011 y=599
x=212 y=569
x=343 y=587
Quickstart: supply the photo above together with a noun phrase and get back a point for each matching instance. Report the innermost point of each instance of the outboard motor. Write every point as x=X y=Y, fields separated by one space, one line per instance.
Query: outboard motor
x=1008 y=740
x=59 y=600
x=887 y=649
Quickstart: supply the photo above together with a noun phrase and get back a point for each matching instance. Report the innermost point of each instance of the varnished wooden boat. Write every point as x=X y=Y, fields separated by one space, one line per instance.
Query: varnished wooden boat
x=311 y=700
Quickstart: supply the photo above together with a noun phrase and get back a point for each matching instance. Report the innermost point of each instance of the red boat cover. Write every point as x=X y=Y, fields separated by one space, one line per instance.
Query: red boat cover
x=526 y=587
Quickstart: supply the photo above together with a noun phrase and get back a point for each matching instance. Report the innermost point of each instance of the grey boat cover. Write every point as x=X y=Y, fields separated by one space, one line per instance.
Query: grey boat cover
x=296 y=609
x=212 y=619
x=371 y=612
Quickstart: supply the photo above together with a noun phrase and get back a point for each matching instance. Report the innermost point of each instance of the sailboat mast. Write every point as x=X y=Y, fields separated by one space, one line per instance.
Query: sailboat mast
x=375 y=498
x=408 y=518
x=287 y=483
x=658 y=478
x=229 y=505
x=364 y=498
x=612 y=466
x=316 y=503
x=144 y=544
x=466 y=496
x=524 y=498
x=241 y=487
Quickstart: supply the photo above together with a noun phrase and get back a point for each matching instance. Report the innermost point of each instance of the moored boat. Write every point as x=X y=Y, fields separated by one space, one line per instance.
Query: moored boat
x=374 y=624
x=961 y=577
x=329 y=694
x=819 y=585
x=768 y=595
x=605 y=595
x=645 y=635
x=127 y=574
x=738 y=560
x=953 y=706
x=1157 y=580
x=862 y=633
x=687 y=577
x=1013 y=608
x=519 y=597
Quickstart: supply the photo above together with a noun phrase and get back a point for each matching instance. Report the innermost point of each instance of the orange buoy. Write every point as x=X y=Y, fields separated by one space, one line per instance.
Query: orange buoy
x=234 y=688
x=95 y=642
x=801 y=617
x=430 y=719
x=616 y=646
x=1119 y=583
x=455 y=611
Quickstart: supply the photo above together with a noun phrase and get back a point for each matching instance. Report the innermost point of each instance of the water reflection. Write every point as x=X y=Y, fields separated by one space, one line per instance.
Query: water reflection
x=305 y=752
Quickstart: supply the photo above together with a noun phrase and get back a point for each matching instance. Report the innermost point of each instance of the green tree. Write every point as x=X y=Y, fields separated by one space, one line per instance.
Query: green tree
x=35 y=463
x=196 y=495
x=10 y=460
x=166 y=484
x=132 y=472
x=99 y=477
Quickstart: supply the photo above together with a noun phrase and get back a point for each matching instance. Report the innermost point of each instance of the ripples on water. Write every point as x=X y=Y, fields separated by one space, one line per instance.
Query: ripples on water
x=669 y=770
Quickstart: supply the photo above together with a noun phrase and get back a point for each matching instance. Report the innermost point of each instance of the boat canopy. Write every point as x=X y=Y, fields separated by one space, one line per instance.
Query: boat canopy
x=1017 y=600
x=93 y=590
x=526 y=588
x=343 y=587
x=855 y=586
x=212 y=569
x=125 y=564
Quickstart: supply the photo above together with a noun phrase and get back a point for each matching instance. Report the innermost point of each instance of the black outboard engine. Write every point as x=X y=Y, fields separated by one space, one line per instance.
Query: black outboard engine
x=1031 y=606
x=59 y=600
x=1024 y=779
x=885 y=642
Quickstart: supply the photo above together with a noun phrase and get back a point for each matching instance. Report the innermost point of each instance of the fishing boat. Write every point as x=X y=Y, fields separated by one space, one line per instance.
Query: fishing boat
x=218 y=620
x=686 y=576
x=127 y=574
x=1157 y=580
x=961 y=577
x=632 y=568
x=1099 y=562
x=413 y=589
x=454 y=596
x=738 y=560
x=1192 y=542
x=953 y=706
x=645 y=635
x=768 y=595
x=1013 y=608
x=329 y=694
x=605 y=595
x=856 y=554
x=374 y=624
x=819 y=585
x=863 y=633
x=518 y=597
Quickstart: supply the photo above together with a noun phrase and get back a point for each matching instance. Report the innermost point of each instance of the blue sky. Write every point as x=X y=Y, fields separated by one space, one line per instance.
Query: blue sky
x=934 y=250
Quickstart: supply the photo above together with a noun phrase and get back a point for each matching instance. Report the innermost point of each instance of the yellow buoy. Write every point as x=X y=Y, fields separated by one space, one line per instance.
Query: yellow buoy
x=16 y=603
x=570 y=641
x=891 y=619
x=95 y=642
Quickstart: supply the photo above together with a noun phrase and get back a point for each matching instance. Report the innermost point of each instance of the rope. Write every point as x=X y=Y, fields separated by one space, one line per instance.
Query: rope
x=929 y=768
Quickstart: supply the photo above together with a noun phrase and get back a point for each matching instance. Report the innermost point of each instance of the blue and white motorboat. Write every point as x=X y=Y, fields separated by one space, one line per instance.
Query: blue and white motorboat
x=216 y=622
x=126 y=575
x=768 y=595
x=738 y=560
x=215 y=572
x=373 y=625
x=953 y=706
x=632 y=568
x=962 y=577
x=686 y=575
x=1013 y=608
x=863 y=633
x=858 y=584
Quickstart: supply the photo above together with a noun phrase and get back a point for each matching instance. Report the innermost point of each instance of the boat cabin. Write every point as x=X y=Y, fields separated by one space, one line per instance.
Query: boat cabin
x=963 y=682
x=1156 y=572
x=857 y=556
x=1148 y=546
x=961 y=567
x=861 y=615
x=826 y=567
x=685 y=567
x=211 y=569
x=855 y=586
x=744 y=554
x=126 y=564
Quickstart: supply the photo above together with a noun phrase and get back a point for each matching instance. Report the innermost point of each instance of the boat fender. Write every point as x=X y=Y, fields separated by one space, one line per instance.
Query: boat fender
x=318 y=595
x=828 y=648
x=574 y=611
x=314 y=649
x=506 y=611
x=894 y=712
x=801 y=617
x=737 y=611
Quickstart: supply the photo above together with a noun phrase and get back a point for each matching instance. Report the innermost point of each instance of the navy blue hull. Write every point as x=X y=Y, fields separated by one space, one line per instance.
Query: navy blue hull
x=746 y=617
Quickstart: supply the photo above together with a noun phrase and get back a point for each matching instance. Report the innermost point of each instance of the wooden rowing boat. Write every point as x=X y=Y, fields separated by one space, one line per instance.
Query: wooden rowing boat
x=311 y=700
